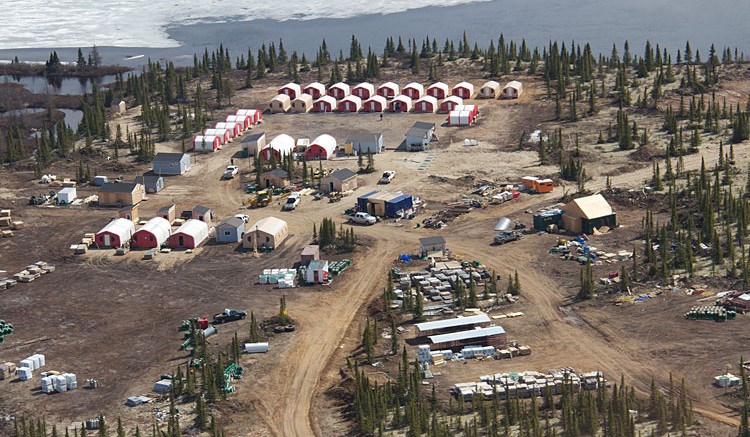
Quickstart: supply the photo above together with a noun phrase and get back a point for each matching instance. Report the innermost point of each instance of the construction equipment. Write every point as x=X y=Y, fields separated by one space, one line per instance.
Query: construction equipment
x=261 y=200
x=334 y=196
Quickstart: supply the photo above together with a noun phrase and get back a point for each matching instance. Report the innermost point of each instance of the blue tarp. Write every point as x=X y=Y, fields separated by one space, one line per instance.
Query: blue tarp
x=405 y=258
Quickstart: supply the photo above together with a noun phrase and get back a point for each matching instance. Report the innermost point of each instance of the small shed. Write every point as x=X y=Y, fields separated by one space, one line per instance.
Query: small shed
x=426 y=104
x=203 y=213
x=280 y=103
x=317 y=272
x=324 y=104
x=153 y=234
x=171 y=163
x=489 y=90
x=168 y=213
x=322 y=147
x=339 y=181
x=230 y=230
x=339 y=90
x=281 y=145
x=302 y=104
x=465 y=90
x=420 y=135
x=375 y=104
x=119 y=108
x=449 y=103
x=388 y=90
x=120 y=194
x=413 y=90
x=234 y=128
x=364 y=91
x=365 y=142
x=268 y=232
x=584 y=214
x=400 y=104
x=350 y=104
x=245 y=121
x=66 y=196
x=310 y=253
x=439 y=90
x=117 y=233
x=277 y=177
x=130 y=212
x=190 y=235
x=513 y=90
x=292 y=90
x=99 y=181
x=151 y=182
x=254 y=143
x=316 y=90
x=163 y=386
x=225 y=135
x=206 y=143
x=429 y=245
x=255 y=115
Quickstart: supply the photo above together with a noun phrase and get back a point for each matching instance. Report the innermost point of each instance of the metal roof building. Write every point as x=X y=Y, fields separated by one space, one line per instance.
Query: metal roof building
x=491 y=336
x=456 y=322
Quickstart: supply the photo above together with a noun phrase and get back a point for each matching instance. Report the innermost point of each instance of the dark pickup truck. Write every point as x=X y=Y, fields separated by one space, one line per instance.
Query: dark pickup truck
x=229 y=316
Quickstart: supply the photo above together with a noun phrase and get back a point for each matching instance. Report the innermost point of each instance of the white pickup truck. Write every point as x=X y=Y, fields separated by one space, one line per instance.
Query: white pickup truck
x=230 y=172
x=292 y=201
x=362 y=218
x=387 y=177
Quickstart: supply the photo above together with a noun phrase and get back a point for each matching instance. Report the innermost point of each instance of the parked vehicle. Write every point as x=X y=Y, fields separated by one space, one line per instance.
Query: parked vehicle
x=362 y=218
x=506 y=237
x=387 y=177
x=244 y=217
x=229 y=315
x=230 y=172
x=292 y=201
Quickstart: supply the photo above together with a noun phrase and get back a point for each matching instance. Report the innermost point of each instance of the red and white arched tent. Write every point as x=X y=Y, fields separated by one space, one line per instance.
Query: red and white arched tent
x=324 y=104
x=350 y=104
x=439 y=90
x=153 y=234
x=234 y=128
x=244 y=120
x=291 y=89
x=322 y=147
x=400 y=104
x=413 y=90
x=206 y=143
x=465 y=90
x=223 y=134
x=450 y=102
x=256 y=115
x=364 y=91
x=375 y=104
x=281 y=145
x=388 y=90
x=426 y=104
x=316 y=90
x=116 y=233
x=339 y=90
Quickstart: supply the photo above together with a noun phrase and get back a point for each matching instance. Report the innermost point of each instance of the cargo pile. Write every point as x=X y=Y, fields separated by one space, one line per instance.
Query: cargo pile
x=26 y=370
x=336 y=267
x=232 y=372
x=284 y=278
x=52 y=382
x=6 y=329
x=7 y=222
x=438 y=284
x=31 y=272
x=713 y=312
x=525 y=384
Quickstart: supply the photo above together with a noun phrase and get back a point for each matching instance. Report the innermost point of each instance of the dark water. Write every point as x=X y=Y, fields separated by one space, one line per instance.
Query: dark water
x=601 y=22
x=57 y=86
x=73 y=117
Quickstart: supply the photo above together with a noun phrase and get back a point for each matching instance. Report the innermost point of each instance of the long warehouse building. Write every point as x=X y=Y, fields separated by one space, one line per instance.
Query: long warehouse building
x=491 y=336
x=452 y=325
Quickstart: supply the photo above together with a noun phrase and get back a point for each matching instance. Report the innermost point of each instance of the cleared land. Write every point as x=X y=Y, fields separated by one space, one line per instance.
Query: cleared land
x=115 y=318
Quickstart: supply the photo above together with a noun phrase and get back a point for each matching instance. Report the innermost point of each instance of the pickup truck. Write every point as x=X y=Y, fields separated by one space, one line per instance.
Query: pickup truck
x=230 y=172
x=362 y=218
x=292 y=201
x=229 y=316
x=506 y=237
x=387 y=177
